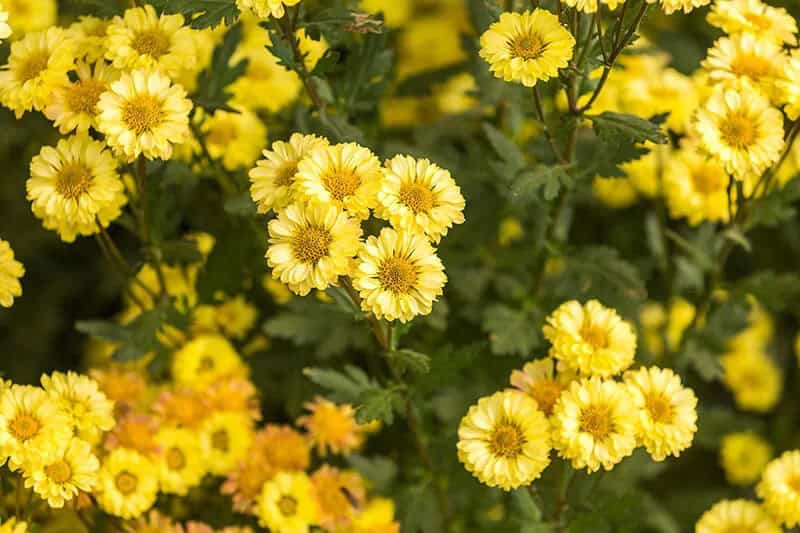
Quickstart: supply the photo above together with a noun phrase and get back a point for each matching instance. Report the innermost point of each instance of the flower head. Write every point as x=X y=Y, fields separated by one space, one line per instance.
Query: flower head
x=696 y=187
x=235 y=137
x=671 y=6
x=205 y=360
x=339 y=494
x=180 y=460
x=89 y=36
x=11 y=271
x=73 y=106
x=58 y=478
x=128 y=484
x=780 y=488
x=744 y=457
x=759 y=61
x=754 y=378
x=736 y=515
x=754 y=16
x=332 y=427
x=287 y=503
x=28 y=16
x=790 y=85
x=226 y=438
x=90 y=410
x=266 y=8
x=538 y=379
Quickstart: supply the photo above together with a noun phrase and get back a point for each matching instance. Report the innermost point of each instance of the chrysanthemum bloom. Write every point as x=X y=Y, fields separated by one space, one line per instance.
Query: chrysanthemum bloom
x=38 y=63
x=594 y=424
x=11 y=271
x=616 y=192
x=266 y=84
x=182 y=407
x=754 y=16
x=89 y=37
x=204 y=360
x=5 y=29
x=790 y=85
x=754 y=378
x=236 y=317
x=123 y=387
x=398 y=275
x=58 y=478
x=31 y=15
x=456 y=95
x=133 y=431
x=339 y=494
x=143 y=113
x=671 y=6
x=12 y=525
x=73 y=106
x=667 y=418
x=235 y=394
x=420 y=197
x=591 y=339
x=743 y=457
x=696 y=187
x=32 y=426
x=332 y=428
x=153 y=522
x=538 y=380
x=780 y=488
x=142 y=39
x=236 y=138
x=91 y=411
x=590 y=6
x=74 y=187
x=527 y=47
x=310 y=246
x=128 y=484
x=736 y=515
x=287 y=503
x=749 y=57
x=376 y=517
x=226 y=438
x=266 y=8
x=180 y=460
x=504 y=440
x=272 y=178
x=346 y=175
x=740 y=128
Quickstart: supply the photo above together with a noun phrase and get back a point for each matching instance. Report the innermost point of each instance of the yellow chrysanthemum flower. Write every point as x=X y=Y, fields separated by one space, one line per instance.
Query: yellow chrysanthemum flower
x=236 y=317
x=74 y=187
x=310 y=246
x=743 y=457
x=527 y=47
x=11 y=271
x=594 y=424
x=456 y=95
x=73 y=107
x=339 y=494
x=265 y=85
x=13 y=526
x=398 y=275
x=759 y=61
x=5 y=29
x=736 y=515
x=287 y=503
x=754 y=378
x=58 y=478
x=38 y=63
x=780 y=490
x=396 y=13
x=272 y=178
x=419 y=197
x=128 y=484
x=28 y=16
x=32 y=426
x=376 y=517
x=205 y=360
x=346 y=175
x=266 y=8
x=591 y=339
x=311 y=49
x=180 y=461
x=89 y=37
x=616 y=192
x=739 y=127
x=143 y=39
x=790 y=85
x=226 y=438
x=591 y=6
x=429 y=42
x=696 y=187
x=667 y=419
x=504 y=440
x=671 y=6
x=538 y=380
x=235 y=137
x=754 y=16
x=91 y=411
x=143 y=113
x=332 y=427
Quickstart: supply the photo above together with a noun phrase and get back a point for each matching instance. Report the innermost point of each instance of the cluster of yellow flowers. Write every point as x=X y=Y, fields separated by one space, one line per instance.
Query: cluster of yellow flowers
x=726 y=115
x=571 y=402
x=322 y=193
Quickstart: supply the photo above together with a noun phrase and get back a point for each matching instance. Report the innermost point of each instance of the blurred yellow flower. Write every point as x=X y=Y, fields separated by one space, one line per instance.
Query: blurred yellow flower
x=736 y=515
x=332 y=428
x=743 y=457
x=237 y=138
x=754 y=16
x=205 y=360
x=226 y=438
x=780 y=490
x=11 y=271
x=286 y=503
x=180 y=460
x=128 y=484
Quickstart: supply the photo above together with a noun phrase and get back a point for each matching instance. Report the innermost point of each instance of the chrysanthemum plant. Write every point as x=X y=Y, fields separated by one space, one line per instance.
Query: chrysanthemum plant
x=308 y=162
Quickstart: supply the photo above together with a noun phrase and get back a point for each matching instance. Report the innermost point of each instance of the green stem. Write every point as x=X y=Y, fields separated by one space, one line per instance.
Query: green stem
x=537 y=102
x=153 y=256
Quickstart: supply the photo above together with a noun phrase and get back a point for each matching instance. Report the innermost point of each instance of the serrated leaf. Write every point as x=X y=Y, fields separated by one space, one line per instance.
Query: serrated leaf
x=344 y=386
x=409 y=360
x=509 y=152
x=212 y=83
x=550 y=180
x=621 y=139
x=777 y=292
x=101 y=329
x=200 y=13
x=368 y=69
x=376 y=404
x=511 y=331
x=282 y=49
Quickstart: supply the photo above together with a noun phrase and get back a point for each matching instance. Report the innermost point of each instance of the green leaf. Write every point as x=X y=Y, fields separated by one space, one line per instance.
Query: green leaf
x=527 y=508
x=511 y=331
x=620 y=137
x=380 y=471
x=282 y=49
x=212 y=84
x=368 y=69
x=409 y=360
x=240 y=205
x=376 y=404
x=775 y=208
x=604 y=266
x=510 y=154
x=100 y=329
x=101 y=8
x=200 y=13
x=344 y=387
x=777 y=292
x=551 y=180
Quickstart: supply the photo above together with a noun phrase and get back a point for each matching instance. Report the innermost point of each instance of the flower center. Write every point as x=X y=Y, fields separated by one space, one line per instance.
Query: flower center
x=708 y=179
x=223 y=132
x=287 y=506
x=738 y=131
x=59 y=472
x=506 y=440
x=751 y=66
x=176 y=460
x=527 y=46
x=594 y=335
x=794 y=484
x=596 y=420
x=33 y=66
x=82 y=97
x=659 y=408
x=206 y=364
x=142 y=113
x=126 y=482
x=311 y=244
x=417 y=197
x=341 y=183
x=285 y=174
x=220 y=440
x=24 y=427
x=546 y=393
x=153 y=43
x=73 y=181
x=398 y=275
